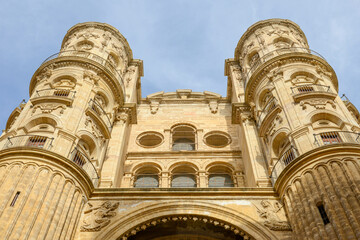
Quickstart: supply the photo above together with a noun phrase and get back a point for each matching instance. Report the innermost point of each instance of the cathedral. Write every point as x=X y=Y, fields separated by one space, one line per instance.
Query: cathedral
x=88 y=157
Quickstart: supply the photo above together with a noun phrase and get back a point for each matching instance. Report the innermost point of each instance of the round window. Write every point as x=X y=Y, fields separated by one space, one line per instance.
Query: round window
x=150 y=139
x=217 y=139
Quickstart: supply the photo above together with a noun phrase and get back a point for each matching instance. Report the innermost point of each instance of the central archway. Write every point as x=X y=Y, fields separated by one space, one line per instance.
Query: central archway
x=142 y=217
x=185 y=227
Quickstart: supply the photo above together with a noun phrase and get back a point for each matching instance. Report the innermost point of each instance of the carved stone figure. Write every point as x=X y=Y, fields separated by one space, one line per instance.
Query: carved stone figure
x=98 y=217
x=269 y=213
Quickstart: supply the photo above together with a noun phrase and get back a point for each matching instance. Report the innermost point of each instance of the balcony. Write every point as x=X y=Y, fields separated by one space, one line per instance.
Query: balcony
x=91 y=56
x=336 y=137
x=321 y=139
x=82 y=160
x=64 y=96
x=312 y=91
x=286 y=158
x=269 y=111
x=259 y=61
x=43 y=142
x=96 y=112
x=32 y=141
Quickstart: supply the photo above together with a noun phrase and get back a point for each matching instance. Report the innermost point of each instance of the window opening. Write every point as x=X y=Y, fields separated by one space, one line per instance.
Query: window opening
x=330 y=137
x=183 y=180
x=220 y=180
x=183 y=139
x=304 y=89
x=147 y=180
x=323 y=214
x=79 y=159
x=14 y=199
x=61 y=93
x=37 y=141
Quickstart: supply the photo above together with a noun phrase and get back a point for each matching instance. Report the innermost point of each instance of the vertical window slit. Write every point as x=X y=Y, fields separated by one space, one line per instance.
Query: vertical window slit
x=14 y=199
x=323 y=214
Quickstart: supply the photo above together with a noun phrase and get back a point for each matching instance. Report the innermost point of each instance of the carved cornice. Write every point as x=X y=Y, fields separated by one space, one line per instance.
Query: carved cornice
x=84 y=63
x=240 y=112
x=127 y=112
x=264 y=71
x=103 y=26
x=262 y=24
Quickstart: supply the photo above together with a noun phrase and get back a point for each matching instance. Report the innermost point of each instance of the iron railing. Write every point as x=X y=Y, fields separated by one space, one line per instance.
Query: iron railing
x=56 y=93
x=308 y=88
x=274 y=54
x=89 y=55
x=286 y=158
x=271 y=105
x=33 y=141
x=100 y=112
x=336 y=137
x=82 y=160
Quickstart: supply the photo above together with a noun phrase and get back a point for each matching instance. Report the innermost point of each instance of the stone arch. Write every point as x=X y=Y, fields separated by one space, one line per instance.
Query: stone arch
x=298 y=76
x=48 y=119
x=333 y=119
x=64 y=81
x=282 y=42
x=279 y=137
x=141 y=217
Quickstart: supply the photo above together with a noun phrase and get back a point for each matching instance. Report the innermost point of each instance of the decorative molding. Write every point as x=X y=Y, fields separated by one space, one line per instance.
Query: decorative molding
x=279 y=61
x=91 y=77
x=241 y=112
x=97 y=218
x=184 y=218
x=107 y=76
x=317 y=103
x=270 y=214
x=49 y=107
x=127 y=112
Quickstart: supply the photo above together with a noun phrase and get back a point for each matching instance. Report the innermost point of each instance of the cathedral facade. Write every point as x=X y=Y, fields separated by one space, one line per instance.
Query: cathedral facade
x=87 y=157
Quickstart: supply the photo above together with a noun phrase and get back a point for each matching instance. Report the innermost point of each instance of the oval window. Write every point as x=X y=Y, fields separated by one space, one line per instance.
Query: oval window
x=150 y=139
x=217 y=139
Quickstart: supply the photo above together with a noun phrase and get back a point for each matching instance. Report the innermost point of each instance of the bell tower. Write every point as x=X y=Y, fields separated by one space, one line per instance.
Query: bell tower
x=54 y=146
x=288 y=95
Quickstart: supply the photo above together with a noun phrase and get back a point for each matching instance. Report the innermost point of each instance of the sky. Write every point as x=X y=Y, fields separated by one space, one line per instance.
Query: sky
x=183 y=43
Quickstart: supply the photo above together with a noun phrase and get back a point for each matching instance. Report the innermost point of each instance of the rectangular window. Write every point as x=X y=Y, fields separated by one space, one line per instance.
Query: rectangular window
x=330 y=138
x=323 y=214
x=14 y=199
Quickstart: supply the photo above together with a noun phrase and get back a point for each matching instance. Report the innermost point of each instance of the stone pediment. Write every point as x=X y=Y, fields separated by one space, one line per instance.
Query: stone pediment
x=183 y=94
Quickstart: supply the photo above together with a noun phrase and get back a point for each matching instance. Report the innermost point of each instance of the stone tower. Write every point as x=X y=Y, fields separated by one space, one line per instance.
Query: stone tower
x=308 y=135
x=88 y=158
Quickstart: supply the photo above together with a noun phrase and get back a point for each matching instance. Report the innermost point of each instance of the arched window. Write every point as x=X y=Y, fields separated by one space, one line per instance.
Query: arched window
x=147 y=178
x=220 y=180
x=183 y=138
x=183 y=176
x=220 y=176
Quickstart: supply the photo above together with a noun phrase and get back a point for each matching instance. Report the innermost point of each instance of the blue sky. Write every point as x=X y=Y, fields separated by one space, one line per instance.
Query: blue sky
x=183 y=43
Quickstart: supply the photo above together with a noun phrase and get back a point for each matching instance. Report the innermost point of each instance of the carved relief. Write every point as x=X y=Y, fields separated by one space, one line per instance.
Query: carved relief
x=317 y=103
x=277 y=31
x=106 y=39
x=301 y=79
x=64 y=83
x=46 y=73
x=49 y=107
x=154 y=106
x=87 y=34
x=270 y=214
x=323 y=72
x=91 y=77
x=94 y=129
x=274 y=126
x=129 y=75
x=213 y=105
x=85 y=45
x=98 y=217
